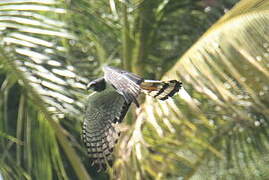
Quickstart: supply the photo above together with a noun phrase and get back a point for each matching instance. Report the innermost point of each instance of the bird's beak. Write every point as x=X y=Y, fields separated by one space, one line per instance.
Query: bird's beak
x=88 y=87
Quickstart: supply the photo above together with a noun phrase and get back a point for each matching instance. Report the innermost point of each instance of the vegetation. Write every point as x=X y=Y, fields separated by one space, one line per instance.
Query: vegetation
x=215 y=129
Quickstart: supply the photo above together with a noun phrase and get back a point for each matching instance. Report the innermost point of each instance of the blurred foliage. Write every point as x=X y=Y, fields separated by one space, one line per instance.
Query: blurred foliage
x=215 y=129
x=159 y=31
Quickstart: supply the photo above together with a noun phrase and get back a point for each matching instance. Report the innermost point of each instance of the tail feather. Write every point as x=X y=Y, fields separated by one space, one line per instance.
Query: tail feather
x=161 y=89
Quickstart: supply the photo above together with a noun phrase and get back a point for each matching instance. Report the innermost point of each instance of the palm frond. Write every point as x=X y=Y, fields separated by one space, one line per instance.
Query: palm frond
x=219 y=123
x=33 y=55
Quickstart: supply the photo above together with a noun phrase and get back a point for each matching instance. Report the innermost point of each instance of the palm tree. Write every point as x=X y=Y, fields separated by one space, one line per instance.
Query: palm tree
x=215 y=129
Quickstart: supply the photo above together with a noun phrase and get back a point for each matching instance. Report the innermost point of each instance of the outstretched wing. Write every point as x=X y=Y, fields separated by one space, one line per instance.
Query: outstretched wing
x=161 y=89
x=104 y=111
x=125 y=82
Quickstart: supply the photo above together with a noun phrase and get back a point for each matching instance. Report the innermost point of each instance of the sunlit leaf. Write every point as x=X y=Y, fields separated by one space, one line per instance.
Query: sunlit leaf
x=226 y=76
x=32 y=40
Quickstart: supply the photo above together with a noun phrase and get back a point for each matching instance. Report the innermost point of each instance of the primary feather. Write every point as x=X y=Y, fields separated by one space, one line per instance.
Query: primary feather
x=125 y=83
x=104 y=111
x=108 y=106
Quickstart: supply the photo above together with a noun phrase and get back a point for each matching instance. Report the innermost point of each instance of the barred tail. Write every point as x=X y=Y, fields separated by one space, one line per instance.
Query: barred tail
x=160 y=89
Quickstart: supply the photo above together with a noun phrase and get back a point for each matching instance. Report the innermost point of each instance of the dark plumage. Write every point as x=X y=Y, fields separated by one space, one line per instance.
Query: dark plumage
x=108 y=105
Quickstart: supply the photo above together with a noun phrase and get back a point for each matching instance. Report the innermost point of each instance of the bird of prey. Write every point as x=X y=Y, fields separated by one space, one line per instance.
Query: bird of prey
x=107 y=106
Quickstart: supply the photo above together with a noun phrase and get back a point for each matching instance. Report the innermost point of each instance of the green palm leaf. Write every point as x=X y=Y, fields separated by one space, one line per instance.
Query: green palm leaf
x=218 y=125
x=34 y=55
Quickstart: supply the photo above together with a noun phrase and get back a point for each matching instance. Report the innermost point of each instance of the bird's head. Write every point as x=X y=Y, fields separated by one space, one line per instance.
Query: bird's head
x=97 y=85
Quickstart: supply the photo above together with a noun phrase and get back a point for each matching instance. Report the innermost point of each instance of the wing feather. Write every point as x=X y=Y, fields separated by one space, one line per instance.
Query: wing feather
x=125 y=82
x=104 y=111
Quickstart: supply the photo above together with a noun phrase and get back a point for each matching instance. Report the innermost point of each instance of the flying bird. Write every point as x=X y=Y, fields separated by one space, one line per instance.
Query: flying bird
x=107 y=106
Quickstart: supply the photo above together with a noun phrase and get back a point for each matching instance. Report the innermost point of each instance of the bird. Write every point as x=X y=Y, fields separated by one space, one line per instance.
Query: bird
x=107 y=106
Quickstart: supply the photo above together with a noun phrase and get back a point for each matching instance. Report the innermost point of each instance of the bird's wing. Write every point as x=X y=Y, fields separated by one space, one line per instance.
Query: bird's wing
x=160 y=89
x=104 y=111
x=125 y=82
